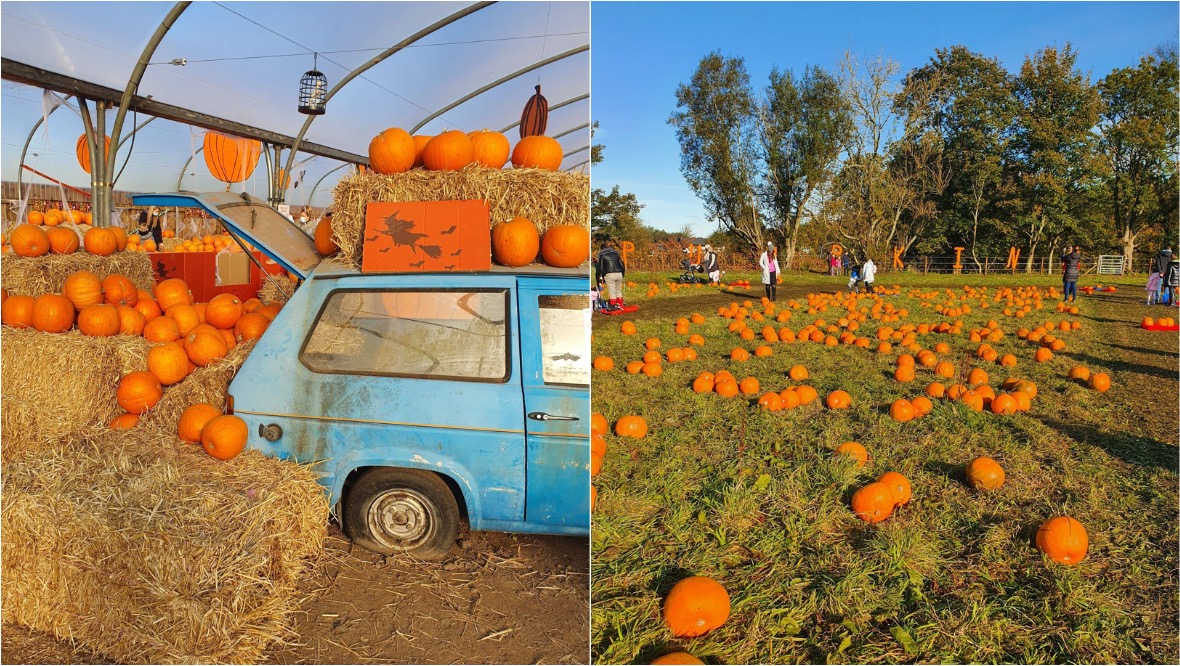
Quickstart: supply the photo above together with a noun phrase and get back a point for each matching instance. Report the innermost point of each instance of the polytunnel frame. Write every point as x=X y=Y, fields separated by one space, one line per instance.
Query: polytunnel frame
x=95 y=128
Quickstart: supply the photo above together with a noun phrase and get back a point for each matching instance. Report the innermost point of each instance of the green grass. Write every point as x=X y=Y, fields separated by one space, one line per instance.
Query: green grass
x=757 y=501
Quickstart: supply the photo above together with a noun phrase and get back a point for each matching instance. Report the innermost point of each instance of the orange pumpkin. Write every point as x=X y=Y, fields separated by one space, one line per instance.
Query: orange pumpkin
x=540 y=152
x=1042 y=355
x=82 y=288
x=635 y=367
x=1003 y=404
x=392 y=151
x=677 y=658
x=985 y=473
x=516 y=243
x=193 y=421
x=838 y=400
x=420 y=141
x=696 y=606
x=118 y=290
x=922 y=406
x=1099 y=381
x=935 y=390
x=100 y=241
x=53 y=313
x=565 y=245
x=186 y=317
x=172 y=291
x=748 y=386
x=205 y=346
x=161 y=329
x=224 y=437
x=874 y=502
x=120 y=235
x=224 y=311
x=28 y=240
x=489 y=149
x=1063 y=540
x=904 y=373
x=806 y=394
x=798 y=373
x=100 y=320
x=270 y=310
x=325 y=244
x=598 y=424
x=231 y=159
x=62 y=241
x=855 y=451
x=977 y=377
x=631 y=426
x=138 y=392
x=131 y=321
x=17 y=311
x=169 y=363
x=449 y=151
x=899 y=485
x=901 y=410
x=124 y=421
x=604 y=363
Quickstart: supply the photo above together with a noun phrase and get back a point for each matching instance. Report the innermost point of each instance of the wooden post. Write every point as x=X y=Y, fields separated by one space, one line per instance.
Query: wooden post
x=926 y=269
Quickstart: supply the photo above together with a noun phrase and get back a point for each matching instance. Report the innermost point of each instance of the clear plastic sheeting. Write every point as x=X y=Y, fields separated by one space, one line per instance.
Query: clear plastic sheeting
x=243 y=62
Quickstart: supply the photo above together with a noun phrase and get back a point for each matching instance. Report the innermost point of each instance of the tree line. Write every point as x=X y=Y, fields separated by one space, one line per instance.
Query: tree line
x=957 y=152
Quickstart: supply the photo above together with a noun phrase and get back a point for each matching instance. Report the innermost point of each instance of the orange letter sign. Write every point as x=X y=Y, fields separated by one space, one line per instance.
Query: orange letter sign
x=625 y=248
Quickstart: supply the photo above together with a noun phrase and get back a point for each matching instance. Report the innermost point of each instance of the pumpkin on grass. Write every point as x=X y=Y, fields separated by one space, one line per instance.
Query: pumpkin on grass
x=838 y=400
x=899 y=485
x=855 y=451
x=696 y=606
x=224 y=437
x=53 y=313
x=874 y=502
x=985 y=473
x=138 y=392
x=631 y=426
x=604 y=363
x=194 y=419
x=598 y=424
x=516 y=243
x=1099 y=381
x=677 y=658
x=1063 y=540
x=901 y=410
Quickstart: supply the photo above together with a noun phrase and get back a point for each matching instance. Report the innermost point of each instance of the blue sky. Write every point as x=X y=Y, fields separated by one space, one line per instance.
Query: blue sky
x=642 y=51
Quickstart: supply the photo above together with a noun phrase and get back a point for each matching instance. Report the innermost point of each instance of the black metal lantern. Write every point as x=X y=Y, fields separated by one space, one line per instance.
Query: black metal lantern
x=313 y=93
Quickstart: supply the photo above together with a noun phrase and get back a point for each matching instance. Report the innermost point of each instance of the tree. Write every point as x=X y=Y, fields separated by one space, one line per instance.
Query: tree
x=1052 y=152
x=972 y=107
x=596 y=149
x=714 y=125
x=1139 y=127
x=805 y=125
x=615 y=216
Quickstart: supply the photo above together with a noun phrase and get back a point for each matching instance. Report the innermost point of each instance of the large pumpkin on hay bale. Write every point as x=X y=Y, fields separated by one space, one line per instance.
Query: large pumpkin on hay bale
x=489 y=149
x=99 y=320
x=83 y=288
x=100 y=241
x=205 y=345
x=193 y=421
x=53 y=313
x=138 y=392
x=224 y=437
x=17 y=311
x=449 y=151
x=392 y=151
x=565 y=245
x=28 y=240
x=224 y=311
x=537 y=152
x=325 y=245
x=118 y=290
x=516 y=242
x=63 y=241
x=169 y=363
x=172 y=291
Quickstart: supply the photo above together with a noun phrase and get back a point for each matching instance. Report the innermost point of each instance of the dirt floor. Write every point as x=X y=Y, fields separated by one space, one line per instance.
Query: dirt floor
x=500 y=598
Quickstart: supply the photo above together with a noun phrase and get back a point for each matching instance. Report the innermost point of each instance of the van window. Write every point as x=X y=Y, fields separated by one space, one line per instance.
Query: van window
x=412 y=333
x=565 y=339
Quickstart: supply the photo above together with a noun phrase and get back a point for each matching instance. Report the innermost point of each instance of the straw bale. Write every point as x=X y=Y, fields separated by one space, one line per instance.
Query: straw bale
x=274 y=287
x=34 y=276
x=147 y=550
x=60 y=385
x=546 y=197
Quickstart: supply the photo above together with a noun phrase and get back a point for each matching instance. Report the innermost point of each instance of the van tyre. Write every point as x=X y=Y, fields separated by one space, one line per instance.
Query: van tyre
x=392 y=511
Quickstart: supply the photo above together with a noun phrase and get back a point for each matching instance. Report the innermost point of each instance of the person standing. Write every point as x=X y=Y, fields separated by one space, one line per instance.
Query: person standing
x=1171 y=280
x=868 y=273
x=609 y=270
x=768 y=262
x=1154 y=286
x=711 y=266
x=1163 y=259
x=1071 y=269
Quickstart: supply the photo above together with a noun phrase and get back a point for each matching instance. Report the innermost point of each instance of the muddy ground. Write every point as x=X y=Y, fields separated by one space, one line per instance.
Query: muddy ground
x=499 y=598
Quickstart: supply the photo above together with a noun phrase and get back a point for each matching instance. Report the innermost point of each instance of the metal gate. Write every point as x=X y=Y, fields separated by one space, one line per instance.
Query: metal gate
x=1110 y=264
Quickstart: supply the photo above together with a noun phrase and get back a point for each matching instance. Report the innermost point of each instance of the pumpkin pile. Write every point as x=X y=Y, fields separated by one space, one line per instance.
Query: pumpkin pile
x=394 y=150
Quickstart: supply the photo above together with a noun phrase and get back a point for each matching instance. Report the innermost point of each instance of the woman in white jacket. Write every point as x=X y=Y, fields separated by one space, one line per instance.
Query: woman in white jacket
x=768 y=262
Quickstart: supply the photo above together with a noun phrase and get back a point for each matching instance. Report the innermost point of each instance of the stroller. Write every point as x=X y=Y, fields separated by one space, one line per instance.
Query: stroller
x=690 y=270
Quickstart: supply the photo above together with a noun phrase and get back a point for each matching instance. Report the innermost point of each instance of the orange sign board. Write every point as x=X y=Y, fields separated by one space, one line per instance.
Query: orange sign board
x=427 y=236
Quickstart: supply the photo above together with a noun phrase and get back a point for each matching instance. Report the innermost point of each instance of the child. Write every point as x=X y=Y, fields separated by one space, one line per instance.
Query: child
x=144 y=233
x=854 y=280
x=1154 y=282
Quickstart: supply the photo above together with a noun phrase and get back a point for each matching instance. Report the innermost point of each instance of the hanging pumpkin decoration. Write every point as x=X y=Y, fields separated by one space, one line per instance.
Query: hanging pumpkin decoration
x=535 y=116
x=231 y=159
x=82 y=149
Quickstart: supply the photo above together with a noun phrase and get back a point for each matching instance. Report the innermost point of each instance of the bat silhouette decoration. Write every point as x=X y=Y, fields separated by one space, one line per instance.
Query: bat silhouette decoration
x=419 y=264
x=447 y=232
x=456 y=253
x=449 y=267
x=385 y=249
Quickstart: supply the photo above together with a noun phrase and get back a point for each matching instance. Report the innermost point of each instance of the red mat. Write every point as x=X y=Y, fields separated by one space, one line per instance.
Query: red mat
x=625 y=310
x=1157 y=327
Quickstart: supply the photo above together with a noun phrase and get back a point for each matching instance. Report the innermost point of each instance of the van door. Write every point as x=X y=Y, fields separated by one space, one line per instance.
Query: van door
x=555 y=373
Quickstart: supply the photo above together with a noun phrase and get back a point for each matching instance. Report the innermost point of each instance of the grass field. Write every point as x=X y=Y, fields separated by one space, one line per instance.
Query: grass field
x=758 y=501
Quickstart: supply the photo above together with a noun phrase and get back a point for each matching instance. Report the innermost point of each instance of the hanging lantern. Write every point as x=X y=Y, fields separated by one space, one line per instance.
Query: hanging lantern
x=313 y=92
x=82 y=149
x=535 y=116
x=231 y=159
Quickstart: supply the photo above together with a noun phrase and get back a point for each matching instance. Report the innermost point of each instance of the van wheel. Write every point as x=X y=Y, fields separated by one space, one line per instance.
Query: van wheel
x=391 y=511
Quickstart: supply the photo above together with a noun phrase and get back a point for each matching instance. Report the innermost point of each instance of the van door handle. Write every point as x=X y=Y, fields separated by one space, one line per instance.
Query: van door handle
x=542 y=416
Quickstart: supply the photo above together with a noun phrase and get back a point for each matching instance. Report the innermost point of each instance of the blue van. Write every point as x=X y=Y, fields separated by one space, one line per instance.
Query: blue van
x=422 y=397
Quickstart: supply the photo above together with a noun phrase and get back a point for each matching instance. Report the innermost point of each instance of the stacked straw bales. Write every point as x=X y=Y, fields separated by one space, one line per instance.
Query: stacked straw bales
x=33 y=276
x=545 y=197
x=131 y=543
x=276 y=289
